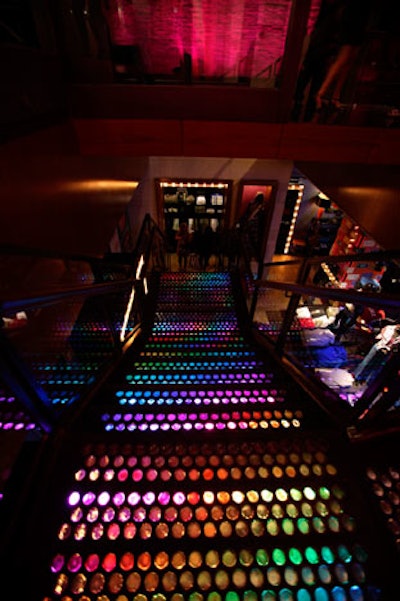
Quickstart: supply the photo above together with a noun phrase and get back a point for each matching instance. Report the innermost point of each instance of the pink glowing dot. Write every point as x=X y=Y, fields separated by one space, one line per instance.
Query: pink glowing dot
x=92 y=562
x=74 y=562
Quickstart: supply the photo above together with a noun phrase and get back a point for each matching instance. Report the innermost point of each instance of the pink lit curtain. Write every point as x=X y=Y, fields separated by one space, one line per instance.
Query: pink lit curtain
x=225 y=38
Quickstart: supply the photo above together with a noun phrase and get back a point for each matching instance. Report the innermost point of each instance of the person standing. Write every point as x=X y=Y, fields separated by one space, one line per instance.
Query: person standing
x=386 y=340
x=182 y=245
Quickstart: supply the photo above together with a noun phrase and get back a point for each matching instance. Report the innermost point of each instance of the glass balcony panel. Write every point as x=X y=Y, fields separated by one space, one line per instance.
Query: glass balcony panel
x=341 y=344
x=66 y=345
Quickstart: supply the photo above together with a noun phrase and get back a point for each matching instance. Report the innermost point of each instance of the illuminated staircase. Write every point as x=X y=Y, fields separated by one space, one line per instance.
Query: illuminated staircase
x=197 y=474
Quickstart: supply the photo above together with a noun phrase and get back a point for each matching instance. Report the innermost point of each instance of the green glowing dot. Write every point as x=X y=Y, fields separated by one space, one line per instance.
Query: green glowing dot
x=278 y=557
x=295 y=556
x=327 y=555
x=214 y=596
x=232 y=596
x=311 y=555
x=262 y=557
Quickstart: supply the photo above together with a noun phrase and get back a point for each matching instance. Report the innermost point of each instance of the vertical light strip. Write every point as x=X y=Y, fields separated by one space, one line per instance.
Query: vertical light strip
x=127 y=314
x=139 y=267
x=300 y=192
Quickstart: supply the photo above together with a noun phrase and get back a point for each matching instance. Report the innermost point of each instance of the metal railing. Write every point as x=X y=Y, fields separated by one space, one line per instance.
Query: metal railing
x=294 y=289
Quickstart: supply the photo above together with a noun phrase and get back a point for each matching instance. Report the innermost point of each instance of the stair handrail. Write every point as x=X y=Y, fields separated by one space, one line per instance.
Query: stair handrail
x=31 y=394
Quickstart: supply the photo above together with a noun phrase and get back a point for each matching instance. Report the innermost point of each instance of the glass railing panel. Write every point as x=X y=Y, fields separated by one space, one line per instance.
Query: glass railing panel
x=270 y=311
x=66 y=345
x=343 y=345
x=27 y=273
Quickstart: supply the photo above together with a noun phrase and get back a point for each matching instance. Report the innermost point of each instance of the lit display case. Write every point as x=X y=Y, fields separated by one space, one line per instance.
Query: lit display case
x=199 y=203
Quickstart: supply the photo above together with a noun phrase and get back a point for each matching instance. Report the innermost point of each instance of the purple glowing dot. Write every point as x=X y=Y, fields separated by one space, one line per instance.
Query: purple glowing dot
x=88 y=498
x=163 y=498
x=118 y=499
x=57 y=563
